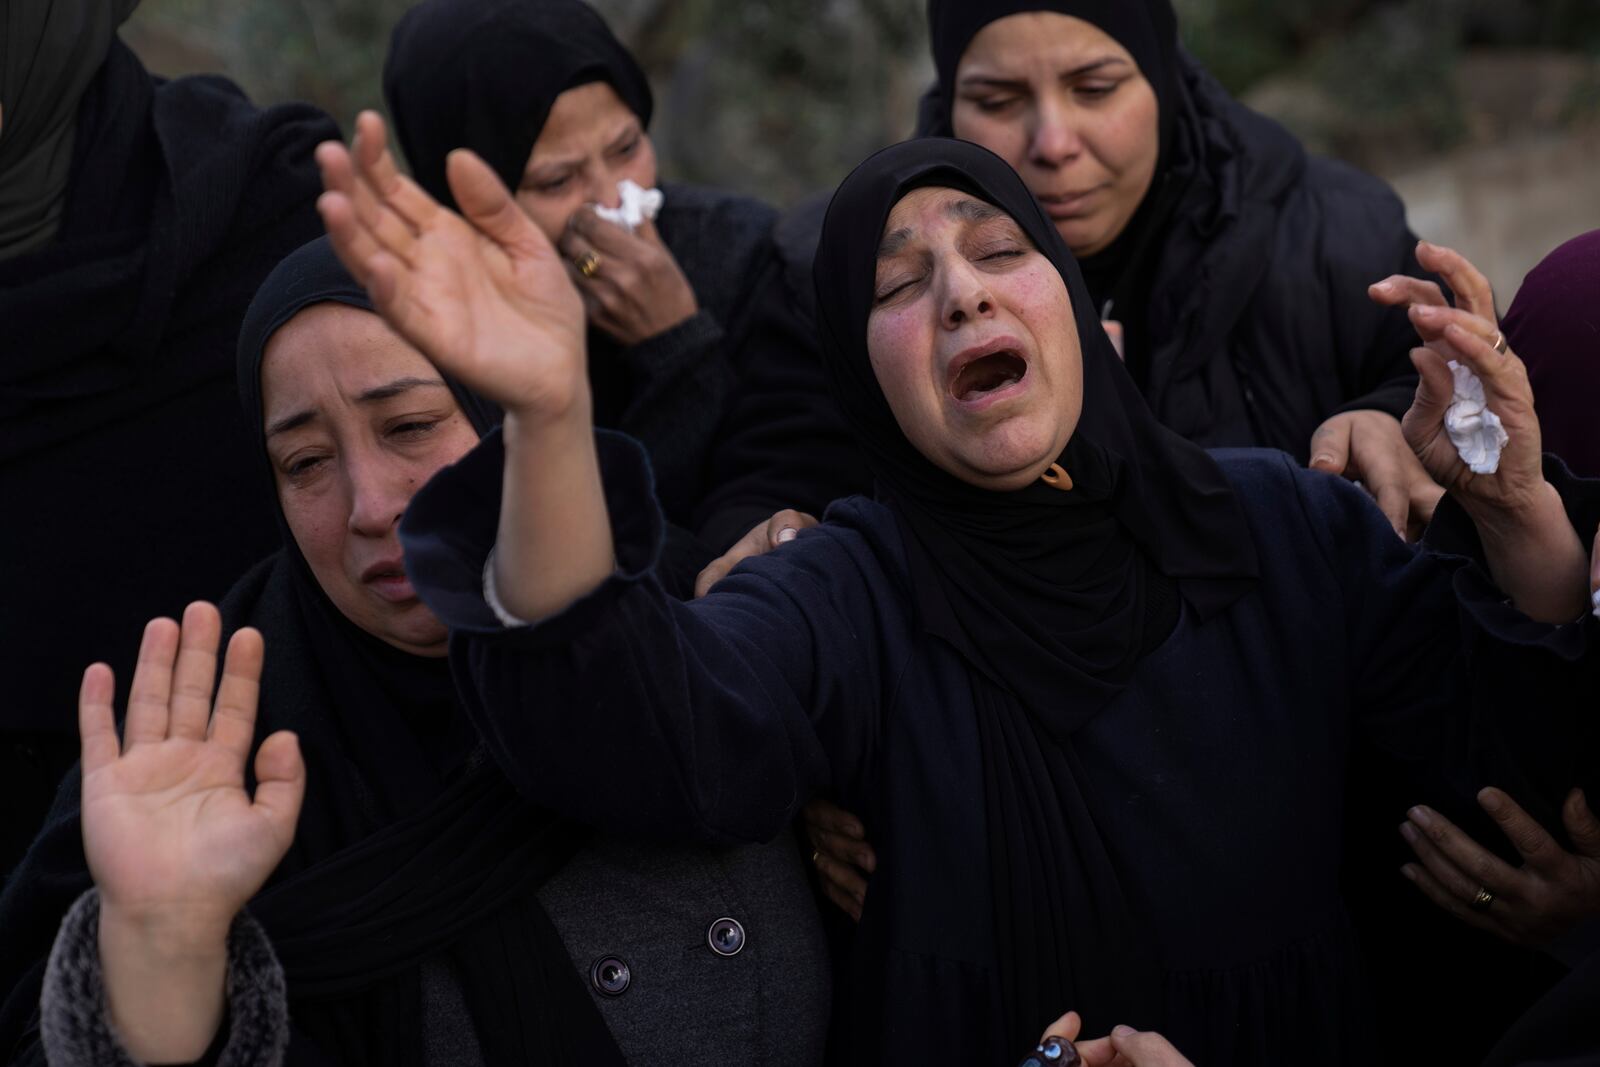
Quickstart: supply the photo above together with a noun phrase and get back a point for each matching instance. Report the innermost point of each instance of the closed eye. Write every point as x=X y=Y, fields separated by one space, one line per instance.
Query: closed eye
x=414 y=428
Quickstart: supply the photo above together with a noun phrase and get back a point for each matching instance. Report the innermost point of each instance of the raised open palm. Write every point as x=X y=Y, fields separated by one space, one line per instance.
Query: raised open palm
x=483 y=294
x=168 y=828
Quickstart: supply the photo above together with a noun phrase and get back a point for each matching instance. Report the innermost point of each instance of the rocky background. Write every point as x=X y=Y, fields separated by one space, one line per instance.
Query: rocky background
x=1485 y=114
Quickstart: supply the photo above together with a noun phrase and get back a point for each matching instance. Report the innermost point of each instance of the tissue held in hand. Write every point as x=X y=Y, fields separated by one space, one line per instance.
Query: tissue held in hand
x=637 y=205
x=1473 y=428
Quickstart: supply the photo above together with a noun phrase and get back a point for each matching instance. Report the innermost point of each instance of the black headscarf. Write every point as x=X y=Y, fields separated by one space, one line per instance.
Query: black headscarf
x=49 y=52
x=1052 y=596
x=1118 y=276
x=483 y=74
x=411 y=844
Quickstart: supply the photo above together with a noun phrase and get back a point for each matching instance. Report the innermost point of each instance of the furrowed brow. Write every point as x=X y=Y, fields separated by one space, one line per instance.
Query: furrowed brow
x=892 y=243
x=290 y=422
x=395 y=388
x=968 y=210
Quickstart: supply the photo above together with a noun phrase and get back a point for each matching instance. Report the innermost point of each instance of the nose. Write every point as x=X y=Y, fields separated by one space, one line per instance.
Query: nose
x=1053 y=141
x=965 y=294
x=602 y=189
x=379 y=493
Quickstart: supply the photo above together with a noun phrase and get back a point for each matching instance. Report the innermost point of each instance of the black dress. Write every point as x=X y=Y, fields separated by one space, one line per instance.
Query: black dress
x=128 y=480
x=1216 y=779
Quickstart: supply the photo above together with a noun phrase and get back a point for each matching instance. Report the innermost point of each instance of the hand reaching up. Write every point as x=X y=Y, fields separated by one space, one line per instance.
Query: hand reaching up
x=174 y=842
x=168 y=828
x=481 y=294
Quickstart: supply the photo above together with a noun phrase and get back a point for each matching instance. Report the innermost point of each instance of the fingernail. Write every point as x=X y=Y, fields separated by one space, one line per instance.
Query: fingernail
x=1408 y=832
x=1384 y=286
x=1123 y=1031
x=788 y=533
x=1489 y=800
x=1421 y=816
x=1321 y=457
x=1409 y=872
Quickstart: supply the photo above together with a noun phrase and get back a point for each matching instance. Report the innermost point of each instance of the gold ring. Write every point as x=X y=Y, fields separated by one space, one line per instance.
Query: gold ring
x=1500 y=342
x=816 y=854
x=589 y=264
x=1482 y=900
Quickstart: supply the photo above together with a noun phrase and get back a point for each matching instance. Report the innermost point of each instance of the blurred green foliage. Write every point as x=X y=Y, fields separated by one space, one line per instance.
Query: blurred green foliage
x=780 y=97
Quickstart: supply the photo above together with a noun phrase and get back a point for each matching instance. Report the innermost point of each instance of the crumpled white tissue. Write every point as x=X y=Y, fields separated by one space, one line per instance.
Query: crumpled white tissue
x=1475 y=430
x=1594 y=598
x=637 y=205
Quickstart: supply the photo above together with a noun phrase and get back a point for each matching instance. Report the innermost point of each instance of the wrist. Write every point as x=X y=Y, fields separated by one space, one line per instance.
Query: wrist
x=1526 y=521
x=550 y=420
x=165 y=980
x=168 y=937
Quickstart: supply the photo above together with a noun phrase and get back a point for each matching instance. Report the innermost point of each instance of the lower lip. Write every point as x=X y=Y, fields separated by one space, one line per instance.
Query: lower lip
x=1068 y=207
x=984 y=401
x=394 y=588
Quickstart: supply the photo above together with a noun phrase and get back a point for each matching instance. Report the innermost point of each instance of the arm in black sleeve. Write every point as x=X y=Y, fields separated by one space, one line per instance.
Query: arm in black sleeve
x=783 y=442
x=681 y=381
x=1366 y=239
x=713 y=720
x=1453 y=686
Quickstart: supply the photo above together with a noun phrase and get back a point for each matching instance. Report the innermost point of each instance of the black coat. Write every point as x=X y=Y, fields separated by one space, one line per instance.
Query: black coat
x=1216 y=778
x=129 y=485
x=1258 y=317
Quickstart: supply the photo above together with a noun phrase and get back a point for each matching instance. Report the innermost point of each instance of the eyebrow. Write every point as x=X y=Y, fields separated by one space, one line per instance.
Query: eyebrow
x=547 y=167
x=386 y=391
x=965 y=210
x=972 y=81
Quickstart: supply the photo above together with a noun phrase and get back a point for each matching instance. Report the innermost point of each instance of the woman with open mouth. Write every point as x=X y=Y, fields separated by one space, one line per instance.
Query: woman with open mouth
x=1091 y=688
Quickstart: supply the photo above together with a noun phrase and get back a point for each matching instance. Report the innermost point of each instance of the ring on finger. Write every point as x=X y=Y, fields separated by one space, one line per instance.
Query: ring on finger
x=1499 y=342
x=588 y=264
x=1481 y=900
x=816 y=856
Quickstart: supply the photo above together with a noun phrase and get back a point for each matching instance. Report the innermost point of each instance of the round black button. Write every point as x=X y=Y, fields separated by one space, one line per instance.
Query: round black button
x=610 y=975
x=726 y=937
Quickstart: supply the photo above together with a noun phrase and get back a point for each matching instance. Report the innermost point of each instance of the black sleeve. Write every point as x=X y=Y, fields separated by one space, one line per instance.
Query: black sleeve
x=1368 y=240
x=712 y=720
x=681 y=383
x=783 y=442
x=1454 y=687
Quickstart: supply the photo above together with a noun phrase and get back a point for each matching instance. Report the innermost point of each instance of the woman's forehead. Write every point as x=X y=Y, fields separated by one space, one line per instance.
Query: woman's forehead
x=929 y=207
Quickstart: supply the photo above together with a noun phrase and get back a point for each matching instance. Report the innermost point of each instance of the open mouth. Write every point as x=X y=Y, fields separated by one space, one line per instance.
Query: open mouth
x=988 y=374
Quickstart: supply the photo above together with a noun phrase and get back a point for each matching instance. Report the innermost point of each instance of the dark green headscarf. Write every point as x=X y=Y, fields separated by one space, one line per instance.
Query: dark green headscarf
x=49 y=53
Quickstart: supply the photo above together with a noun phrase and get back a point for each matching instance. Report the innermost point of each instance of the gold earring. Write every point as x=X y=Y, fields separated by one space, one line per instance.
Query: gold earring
x=1057 y=478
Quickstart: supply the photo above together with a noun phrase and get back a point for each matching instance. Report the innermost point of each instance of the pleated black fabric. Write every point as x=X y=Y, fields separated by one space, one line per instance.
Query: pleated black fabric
x=483 y=74
x=1053 y=596
x=411 y=845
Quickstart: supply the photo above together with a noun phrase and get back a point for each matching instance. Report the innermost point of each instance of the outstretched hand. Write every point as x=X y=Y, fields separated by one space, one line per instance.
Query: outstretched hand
x=1532 y=551
x=482 y=294
x=1550 y=894
x=171 y=835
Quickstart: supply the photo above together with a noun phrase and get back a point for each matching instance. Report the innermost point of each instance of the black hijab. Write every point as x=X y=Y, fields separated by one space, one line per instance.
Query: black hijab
x=483 y=74
x=49 y=52
x=411 y=844
x=1052 y=596
x=1118 y=277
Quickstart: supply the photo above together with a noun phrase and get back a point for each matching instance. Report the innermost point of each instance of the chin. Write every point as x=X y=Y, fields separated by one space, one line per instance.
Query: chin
x=1008 y=461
